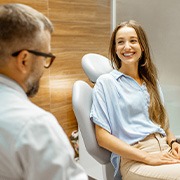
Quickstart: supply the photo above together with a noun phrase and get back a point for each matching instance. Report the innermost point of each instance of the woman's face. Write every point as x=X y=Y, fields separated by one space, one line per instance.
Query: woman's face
x=128 y=48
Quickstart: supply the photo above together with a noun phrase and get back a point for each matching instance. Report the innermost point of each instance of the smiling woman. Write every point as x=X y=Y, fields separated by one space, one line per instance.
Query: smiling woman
x=163 y=32
x=129 y=114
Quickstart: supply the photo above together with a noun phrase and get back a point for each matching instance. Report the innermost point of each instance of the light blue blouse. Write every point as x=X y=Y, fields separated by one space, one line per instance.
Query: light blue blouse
x=120 y=105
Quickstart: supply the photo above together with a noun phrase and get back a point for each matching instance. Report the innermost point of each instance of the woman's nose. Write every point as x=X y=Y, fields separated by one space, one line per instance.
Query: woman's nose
x=127 y=45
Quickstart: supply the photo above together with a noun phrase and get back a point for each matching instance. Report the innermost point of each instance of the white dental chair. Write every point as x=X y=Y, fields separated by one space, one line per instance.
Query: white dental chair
x=93 y=65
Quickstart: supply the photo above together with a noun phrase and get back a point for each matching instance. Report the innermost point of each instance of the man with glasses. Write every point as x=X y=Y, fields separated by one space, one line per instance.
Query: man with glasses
x=32 y=144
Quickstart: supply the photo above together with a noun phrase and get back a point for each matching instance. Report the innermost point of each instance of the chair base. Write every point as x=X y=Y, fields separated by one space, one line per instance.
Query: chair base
x=91 y=166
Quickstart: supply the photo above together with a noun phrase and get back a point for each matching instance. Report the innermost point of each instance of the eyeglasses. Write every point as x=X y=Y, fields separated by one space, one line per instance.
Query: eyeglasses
x=49 y=57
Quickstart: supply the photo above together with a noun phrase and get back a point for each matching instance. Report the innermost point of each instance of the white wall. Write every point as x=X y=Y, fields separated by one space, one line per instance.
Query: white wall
x=161 y=21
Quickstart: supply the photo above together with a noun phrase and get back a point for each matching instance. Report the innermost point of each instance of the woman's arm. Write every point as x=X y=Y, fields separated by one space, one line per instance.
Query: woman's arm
x=115 y=145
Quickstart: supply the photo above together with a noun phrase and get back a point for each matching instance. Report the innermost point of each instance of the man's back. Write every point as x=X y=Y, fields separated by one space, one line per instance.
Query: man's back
x=32 y=144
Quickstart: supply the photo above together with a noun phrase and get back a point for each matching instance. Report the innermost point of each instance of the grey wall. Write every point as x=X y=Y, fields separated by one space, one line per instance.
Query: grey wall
x=161 y=21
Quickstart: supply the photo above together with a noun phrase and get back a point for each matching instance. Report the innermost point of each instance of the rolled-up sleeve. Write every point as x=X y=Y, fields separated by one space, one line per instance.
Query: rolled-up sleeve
x=99 y=110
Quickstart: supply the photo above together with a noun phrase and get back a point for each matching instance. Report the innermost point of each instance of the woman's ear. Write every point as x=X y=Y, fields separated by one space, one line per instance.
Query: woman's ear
x=142 y=49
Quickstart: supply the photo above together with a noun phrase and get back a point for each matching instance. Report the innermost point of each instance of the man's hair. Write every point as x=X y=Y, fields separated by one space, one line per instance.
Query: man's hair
x=20 y=28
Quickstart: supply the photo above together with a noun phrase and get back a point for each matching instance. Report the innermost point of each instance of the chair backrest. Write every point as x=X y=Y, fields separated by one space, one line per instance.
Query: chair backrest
x=82 y=100
x=95 y=65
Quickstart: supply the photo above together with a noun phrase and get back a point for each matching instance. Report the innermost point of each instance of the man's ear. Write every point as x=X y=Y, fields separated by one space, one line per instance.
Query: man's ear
x=23 y=61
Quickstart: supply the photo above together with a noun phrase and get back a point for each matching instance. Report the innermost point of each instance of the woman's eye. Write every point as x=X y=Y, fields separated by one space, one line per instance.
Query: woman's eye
x=133 y=41
x=120 y=42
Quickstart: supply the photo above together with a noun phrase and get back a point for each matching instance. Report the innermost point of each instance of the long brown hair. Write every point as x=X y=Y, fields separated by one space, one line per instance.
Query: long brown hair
x=147 y=72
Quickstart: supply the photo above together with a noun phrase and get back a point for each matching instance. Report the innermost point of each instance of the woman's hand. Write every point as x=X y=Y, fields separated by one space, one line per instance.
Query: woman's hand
x=176 y=150
x=175 y=146
x=161 y=158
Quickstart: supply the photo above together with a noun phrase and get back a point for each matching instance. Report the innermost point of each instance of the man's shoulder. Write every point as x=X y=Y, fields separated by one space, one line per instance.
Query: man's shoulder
x=17 y=111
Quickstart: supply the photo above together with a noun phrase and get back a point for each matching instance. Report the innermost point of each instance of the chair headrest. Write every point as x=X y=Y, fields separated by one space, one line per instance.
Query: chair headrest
x=95 y=65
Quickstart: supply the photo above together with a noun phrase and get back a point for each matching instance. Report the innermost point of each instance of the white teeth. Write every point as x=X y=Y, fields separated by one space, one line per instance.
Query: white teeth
x=128 y=54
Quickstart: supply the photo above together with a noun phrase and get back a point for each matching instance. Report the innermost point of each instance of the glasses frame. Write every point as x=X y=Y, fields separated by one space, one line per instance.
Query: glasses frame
x=37 y=53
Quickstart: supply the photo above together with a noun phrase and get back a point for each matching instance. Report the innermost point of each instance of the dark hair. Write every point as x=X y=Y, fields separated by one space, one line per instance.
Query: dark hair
x=146 y=69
